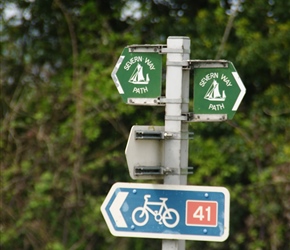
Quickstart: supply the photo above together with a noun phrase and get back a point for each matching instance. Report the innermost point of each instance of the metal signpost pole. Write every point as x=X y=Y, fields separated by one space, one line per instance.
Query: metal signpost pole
x=177 y=98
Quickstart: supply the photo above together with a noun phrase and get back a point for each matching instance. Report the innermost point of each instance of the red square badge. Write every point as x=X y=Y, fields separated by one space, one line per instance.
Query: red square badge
x=201 y=213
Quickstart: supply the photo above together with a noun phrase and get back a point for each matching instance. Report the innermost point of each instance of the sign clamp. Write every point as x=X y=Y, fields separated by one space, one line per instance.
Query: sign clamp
x=145 y=101
x=154 y=48
x=147 y=48
x=192 y=64
x=161 y=135
x=207 y=117
x=148 y=135
x=159 y=170
x=191 y=117
x=159 y=101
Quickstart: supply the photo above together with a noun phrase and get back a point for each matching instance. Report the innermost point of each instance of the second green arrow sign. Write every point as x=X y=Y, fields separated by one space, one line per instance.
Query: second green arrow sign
x=217 y=91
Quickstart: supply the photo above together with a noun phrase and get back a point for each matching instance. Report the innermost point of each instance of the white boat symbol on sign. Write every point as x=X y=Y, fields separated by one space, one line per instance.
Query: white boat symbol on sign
x=213 y=93
x=137 y=76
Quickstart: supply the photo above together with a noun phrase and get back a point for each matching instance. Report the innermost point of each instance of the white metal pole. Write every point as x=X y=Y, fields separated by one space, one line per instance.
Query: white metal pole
x=177 y=98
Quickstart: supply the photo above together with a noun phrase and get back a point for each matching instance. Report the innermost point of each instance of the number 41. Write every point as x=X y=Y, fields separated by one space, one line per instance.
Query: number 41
x=199 y=213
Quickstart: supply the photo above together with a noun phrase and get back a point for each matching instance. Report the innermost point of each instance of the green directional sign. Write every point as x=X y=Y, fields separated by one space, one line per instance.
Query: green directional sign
x=217 y=91
x=138 y=75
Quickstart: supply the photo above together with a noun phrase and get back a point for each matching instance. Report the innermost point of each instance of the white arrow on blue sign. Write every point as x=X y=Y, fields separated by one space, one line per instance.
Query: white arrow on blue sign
x=167 y=211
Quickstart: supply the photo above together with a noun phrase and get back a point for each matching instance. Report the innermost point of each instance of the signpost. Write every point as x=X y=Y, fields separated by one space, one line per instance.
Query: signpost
x=138 y=75
x=217 y=90
x=173 y=212
x=167 y=211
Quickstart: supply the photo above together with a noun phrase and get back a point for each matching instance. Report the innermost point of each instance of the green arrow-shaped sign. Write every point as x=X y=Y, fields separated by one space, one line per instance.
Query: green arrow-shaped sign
x=217 y=91
x=138 y=75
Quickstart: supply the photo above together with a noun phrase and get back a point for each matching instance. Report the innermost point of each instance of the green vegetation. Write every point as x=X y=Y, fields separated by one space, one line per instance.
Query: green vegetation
x=64 y=126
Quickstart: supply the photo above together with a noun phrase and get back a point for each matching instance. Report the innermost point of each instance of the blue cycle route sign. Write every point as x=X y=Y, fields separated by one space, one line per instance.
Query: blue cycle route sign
x=167 y=211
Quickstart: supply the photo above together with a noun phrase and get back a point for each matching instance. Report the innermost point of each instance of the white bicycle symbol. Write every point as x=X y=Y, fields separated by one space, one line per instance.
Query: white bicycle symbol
x=168 y=216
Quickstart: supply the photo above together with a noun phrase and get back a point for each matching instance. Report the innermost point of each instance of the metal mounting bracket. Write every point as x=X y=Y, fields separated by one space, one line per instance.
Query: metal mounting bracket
x=145 y=101
x=206 y=64
x=159 y=101
x=178 y=136
x=149 y=135
x=180 y=63
x=154 y=48
x=160 y=135
x=207 y=117
x=182 y=117
x=164 y=100
x=159 y=170
x=147 y=48
x=191 y=117
x=173 y=50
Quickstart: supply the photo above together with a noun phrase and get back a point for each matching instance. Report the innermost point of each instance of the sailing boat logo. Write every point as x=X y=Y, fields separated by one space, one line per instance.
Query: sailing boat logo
x=213 y=93
x=138 y=77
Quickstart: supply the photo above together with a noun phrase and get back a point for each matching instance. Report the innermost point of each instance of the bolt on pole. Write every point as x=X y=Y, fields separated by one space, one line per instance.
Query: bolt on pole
x=177 y=91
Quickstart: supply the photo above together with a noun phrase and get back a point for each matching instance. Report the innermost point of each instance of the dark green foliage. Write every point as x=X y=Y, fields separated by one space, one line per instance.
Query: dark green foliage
x=64 y=126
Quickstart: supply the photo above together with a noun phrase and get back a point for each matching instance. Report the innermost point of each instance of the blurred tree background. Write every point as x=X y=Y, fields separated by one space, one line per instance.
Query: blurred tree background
x=64 y=126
